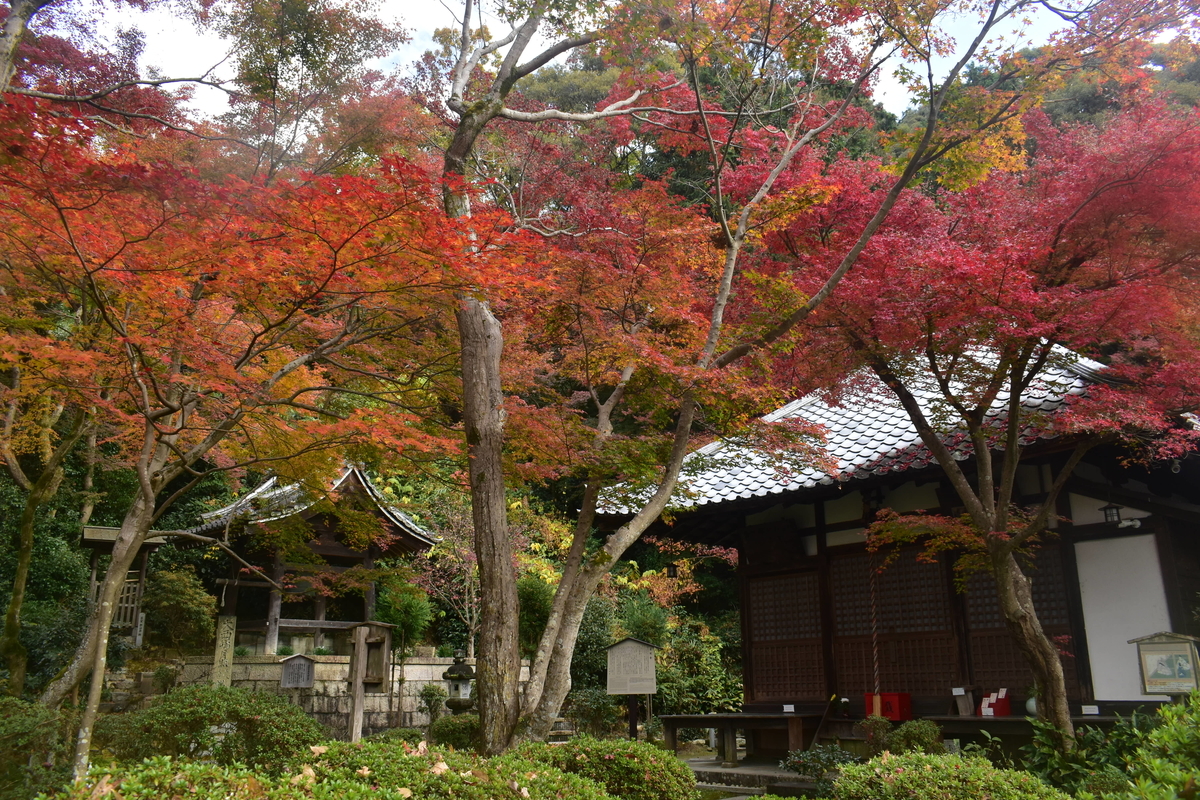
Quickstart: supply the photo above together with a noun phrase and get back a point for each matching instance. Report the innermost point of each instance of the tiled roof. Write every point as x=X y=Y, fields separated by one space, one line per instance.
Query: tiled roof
x=869 y=434
x=269 y=502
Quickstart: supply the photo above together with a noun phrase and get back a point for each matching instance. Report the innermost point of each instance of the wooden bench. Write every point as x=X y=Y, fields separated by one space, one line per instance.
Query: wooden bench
x=800 y=727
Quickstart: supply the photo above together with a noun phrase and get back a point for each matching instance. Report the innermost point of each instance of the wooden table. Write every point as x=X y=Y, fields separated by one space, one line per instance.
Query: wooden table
x=800 y=728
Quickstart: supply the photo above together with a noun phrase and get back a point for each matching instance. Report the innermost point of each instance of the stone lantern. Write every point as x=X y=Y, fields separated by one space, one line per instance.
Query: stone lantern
x=460 y=676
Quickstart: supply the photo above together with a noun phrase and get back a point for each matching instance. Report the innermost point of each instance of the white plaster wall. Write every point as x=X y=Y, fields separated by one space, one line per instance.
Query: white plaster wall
x=844 y=509
x=801 y=514
x=852 y=536
x=1120 y=581
x=910 y=497
x=1086 y=510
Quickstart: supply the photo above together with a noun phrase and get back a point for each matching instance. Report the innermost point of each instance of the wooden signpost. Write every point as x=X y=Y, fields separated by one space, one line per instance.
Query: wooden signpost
x=298 y=672
x=631 y=672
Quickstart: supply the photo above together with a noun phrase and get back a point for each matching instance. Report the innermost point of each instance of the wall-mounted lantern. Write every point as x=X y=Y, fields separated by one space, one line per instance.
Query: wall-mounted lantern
x=460 y=676
x=1112 y=512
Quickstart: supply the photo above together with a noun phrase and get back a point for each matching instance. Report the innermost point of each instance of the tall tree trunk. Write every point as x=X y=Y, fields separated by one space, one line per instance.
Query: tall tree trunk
x=499 y=661
x=556 y=680
x=125 y=551
x=1016 y=603
x=15 y=24
x=10 y=644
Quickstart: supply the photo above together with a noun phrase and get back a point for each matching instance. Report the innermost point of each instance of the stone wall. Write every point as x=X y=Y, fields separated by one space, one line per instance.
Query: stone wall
x=328 y=701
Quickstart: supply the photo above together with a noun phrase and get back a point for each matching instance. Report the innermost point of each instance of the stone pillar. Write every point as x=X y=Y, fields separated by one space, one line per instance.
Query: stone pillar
x=222 y=670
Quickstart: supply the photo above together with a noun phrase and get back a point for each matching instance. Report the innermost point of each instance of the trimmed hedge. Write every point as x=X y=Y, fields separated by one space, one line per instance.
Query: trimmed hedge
x=413 y=736
x=220 y=723
x=443 y=775
x=460 y=731
x=36 y=744
x=164 y=777
x=340 y=771
x=921 y=776
x=628 y=770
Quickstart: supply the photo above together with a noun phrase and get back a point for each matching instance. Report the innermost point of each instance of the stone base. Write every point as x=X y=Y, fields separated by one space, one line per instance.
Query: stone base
x=328 y=701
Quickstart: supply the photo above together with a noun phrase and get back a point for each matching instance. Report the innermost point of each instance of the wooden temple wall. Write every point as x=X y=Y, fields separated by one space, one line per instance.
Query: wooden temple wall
x=808 y=631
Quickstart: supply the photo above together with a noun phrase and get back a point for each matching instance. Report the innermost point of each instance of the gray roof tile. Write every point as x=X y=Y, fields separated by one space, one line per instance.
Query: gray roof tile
x=869 y=434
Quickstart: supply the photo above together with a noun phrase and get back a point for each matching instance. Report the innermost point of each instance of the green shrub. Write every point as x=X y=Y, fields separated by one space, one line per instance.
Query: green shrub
x=922 y=776
x=178 y=609
x=916 y=735
x=593 y=711
x=404 y=605
x=35 y=748
x=1167 y=764
x=460 y=731
x=163 y=777
x=1106 y=780
x=536 y=597
x=165 y=677
x=589 y=662
x=695 y=675
x=222 y=723
x=628 y=770
x=443 y=775
x=875 y=730
x=432 y=700
x=817 y=761
x=413 y=736
x=1097 y=752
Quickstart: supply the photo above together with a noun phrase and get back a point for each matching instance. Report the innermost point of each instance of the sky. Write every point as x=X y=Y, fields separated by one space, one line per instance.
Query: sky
x=175 y=48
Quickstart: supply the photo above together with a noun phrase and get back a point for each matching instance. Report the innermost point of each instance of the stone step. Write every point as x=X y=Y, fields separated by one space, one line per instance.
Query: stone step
x=745 y=791
x=755 y=776
x=793 y=789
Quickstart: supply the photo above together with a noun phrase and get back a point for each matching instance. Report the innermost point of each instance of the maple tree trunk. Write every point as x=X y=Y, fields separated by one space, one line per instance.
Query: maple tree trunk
x=499 y=660
x=555 y=683
x=10 y=644
x=129 y=541
x=1016 y=603
x=125 y=550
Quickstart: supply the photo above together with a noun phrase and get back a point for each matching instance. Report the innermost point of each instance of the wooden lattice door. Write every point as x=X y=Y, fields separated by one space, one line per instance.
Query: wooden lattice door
x=784 y=630
x=918 y=651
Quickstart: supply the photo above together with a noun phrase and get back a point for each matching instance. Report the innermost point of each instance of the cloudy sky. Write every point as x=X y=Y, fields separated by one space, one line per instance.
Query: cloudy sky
x=177 y=49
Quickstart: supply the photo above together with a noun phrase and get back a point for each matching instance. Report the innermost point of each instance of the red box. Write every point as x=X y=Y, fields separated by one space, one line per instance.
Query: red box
x=1000 y=707
x=896 y=706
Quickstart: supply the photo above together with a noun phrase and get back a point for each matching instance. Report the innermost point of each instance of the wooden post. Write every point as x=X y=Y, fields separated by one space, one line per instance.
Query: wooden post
x=358 y=671
x=369 y=593
x=92 y=583
x=319 y=607
x=274 y=609
x=632 y=702
x=729 y=746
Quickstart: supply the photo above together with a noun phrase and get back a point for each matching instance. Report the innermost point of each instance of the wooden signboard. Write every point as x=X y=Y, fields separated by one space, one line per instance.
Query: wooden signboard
x=1168 y=663
x=298 y=672
x=631 y=667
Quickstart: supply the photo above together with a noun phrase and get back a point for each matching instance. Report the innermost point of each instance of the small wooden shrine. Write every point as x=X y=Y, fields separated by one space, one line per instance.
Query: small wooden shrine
x=128 y=619
x=261 y=617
